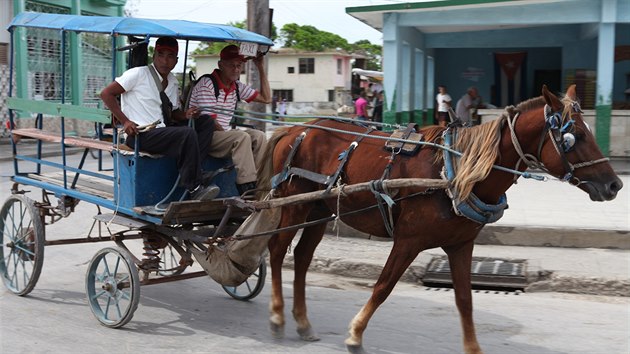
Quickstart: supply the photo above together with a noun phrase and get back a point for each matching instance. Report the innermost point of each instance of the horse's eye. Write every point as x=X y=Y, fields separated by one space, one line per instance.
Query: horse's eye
x=568 y=141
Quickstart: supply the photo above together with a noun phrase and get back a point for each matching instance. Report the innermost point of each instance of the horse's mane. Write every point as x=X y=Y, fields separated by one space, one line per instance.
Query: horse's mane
x=480 y=148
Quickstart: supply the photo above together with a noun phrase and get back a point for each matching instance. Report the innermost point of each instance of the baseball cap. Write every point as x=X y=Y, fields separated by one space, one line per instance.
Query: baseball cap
x=166 y=43
x=231 y=52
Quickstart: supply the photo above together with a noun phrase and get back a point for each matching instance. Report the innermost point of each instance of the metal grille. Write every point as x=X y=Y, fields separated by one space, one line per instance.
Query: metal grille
x=485 y=273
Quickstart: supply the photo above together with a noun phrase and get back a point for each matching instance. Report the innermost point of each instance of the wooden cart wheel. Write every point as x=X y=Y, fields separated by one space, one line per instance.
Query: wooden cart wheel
x=112 y=286
x=251 y=287
x=22 y=238
x=170 y=262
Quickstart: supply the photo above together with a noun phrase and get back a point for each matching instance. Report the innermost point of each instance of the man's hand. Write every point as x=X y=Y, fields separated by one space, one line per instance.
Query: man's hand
x=218 y=126
x=130 y=128
x=192 y=113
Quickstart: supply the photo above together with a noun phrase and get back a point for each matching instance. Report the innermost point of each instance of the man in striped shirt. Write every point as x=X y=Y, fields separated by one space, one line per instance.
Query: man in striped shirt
x=245 y=147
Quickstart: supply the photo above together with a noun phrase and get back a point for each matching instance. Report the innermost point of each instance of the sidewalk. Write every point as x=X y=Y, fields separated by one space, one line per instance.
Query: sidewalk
x=590 y=271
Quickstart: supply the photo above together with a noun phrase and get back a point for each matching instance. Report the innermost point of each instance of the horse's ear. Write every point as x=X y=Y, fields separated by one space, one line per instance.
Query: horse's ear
x=571 y=93
x=551 y=99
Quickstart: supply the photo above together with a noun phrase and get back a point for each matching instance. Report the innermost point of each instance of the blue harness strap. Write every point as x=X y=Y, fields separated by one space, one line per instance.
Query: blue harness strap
x=472 y=208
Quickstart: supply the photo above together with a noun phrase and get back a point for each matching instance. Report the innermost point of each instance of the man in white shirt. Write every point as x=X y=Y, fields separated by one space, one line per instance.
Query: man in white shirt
x=142 y=105
x=443 y=104
x=245 y=147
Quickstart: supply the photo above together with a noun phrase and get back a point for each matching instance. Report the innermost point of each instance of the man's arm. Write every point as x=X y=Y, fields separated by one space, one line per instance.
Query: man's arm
x=264 y=95
x=108 y=95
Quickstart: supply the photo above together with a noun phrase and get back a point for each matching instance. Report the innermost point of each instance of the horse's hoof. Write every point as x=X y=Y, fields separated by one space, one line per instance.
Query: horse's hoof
x=308 y=334
x=355 y=349
x=277 y=331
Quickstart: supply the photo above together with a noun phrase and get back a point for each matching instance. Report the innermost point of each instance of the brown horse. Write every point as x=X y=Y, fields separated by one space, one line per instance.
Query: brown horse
x=545 y=132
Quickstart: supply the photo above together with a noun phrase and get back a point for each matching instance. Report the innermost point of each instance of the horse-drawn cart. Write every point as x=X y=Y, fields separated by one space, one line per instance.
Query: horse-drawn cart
x=139 y=192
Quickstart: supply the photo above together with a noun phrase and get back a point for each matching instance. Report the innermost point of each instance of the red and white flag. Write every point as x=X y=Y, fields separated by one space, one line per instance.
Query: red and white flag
x=509 y=78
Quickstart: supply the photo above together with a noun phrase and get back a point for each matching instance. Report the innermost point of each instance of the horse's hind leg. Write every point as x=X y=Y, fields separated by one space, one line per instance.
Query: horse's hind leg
x=459 y=258
x=303 y=255
x=400 y=257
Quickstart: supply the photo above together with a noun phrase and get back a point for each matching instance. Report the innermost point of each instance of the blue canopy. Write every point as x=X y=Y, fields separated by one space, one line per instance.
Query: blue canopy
x=180 y=29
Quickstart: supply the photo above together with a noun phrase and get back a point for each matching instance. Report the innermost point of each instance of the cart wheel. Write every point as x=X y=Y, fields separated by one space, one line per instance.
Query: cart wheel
x=112 y=286
x=169 y=262
x=22 y=239
x=251 y=287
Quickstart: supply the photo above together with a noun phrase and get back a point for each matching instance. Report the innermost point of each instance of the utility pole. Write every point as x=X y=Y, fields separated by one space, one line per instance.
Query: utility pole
x=259 y=21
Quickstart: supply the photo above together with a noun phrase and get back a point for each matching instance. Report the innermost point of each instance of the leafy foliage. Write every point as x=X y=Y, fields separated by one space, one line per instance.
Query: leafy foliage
x=309 y=38
x=215 y=47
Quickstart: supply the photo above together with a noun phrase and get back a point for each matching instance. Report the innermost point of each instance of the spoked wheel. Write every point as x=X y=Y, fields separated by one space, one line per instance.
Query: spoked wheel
x=112 y=287
x=251 y=287
x=22 y=239
x=170 y=262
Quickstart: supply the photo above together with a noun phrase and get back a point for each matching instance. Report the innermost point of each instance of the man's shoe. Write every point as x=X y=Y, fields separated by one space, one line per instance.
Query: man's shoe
x=205 y=193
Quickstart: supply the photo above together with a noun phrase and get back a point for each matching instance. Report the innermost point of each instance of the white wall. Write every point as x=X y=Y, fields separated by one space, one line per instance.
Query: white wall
x=6 y=15
x=306 y=87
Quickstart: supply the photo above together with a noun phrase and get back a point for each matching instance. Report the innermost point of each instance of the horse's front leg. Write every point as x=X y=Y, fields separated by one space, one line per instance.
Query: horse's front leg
x=303 y=255
x=400 y=257
x=460 y=258
x=278 y=245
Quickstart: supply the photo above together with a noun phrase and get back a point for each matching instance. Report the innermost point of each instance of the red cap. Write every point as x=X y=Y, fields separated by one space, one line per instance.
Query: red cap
x=166 y=43
x=231 y=52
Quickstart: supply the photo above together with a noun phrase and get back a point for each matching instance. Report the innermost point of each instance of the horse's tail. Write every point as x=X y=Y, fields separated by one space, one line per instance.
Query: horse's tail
x=265 y=170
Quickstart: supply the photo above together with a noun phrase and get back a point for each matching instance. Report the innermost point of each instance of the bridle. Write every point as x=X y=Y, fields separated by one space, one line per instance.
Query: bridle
x=563 y=139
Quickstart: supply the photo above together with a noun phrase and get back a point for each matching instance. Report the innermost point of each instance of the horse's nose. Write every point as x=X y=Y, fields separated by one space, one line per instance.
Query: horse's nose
x=615 y=186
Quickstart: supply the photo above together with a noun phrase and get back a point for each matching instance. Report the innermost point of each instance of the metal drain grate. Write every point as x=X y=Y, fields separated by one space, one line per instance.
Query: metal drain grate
x=485 y=274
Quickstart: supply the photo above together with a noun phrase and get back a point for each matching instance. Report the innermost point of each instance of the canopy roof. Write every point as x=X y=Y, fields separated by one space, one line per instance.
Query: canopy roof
x=180 y=29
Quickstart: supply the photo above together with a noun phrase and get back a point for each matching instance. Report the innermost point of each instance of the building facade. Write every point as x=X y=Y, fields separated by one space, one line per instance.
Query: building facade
x=311 y=82
x=508 y=50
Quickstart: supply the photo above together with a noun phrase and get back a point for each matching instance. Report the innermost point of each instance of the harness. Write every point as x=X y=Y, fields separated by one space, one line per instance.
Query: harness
x=563 y=139
x=472 y=208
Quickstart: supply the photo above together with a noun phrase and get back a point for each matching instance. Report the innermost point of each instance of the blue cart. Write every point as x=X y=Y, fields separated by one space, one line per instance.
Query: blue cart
x=171 y=229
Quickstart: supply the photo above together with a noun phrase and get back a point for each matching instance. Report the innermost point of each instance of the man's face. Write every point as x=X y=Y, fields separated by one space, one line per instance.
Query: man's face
x=165 y=61
x=231 y=68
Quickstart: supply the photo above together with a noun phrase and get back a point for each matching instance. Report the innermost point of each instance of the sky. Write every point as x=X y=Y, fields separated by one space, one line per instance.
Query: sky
x=325 y=15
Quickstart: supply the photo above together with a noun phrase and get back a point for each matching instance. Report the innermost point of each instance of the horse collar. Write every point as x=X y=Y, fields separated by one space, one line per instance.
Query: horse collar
x=472 y=208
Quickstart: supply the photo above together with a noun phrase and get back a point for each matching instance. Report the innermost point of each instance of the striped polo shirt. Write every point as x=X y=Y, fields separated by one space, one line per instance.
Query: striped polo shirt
x=203 y=96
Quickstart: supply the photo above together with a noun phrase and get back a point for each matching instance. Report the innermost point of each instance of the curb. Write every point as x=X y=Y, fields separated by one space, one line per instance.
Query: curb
x=538 y=280
x=527 y=236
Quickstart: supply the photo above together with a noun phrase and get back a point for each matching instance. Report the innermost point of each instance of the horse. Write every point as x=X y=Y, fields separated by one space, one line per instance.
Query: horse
x=546 y=133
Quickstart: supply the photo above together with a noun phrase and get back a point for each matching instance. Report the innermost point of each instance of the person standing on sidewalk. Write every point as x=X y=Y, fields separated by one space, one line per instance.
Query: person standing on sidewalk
x=443 y=104
x=247 y=146
x=142 y=104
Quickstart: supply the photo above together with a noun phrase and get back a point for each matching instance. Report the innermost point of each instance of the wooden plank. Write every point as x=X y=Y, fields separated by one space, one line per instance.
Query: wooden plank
x=196 y=211
x=68 y=141
x=95 y=188
x=354 y=188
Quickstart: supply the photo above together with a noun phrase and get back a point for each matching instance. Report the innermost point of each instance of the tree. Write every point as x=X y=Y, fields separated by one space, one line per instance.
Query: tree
x=215 y=47
x=373 y=52
x=310 y=38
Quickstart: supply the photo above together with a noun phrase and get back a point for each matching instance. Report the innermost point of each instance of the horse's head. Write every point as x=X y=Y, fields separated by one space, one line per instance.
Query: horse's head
x=568 y=149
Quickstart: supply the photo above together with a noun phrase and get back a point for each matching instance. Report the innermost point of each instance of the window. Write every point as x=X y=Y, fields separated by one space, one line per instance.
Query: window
x=307 y=65
x=339 y=67
x=331 y=95
x=4 y=54
x=291 y=70
x=283 y=94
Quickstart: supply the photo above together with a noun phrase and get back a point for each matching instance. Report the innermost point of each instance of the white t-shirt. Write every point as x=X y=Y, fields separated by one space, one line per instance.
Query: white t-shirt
x=443 y=107
x=141 y=100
